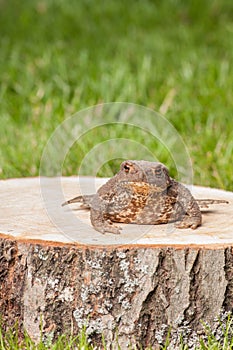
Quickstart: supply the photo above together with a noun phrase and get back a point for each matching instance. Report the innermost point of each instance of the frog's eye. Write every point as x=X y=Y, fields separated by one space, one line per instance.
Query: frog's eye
x=126 y=168
x=158 y=171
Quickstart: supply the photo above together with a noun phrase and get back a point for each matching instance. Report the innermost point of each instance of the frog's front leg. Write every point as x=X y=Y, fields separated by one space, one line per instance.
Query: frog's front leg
x=103 y=225
x=99 y=217
x=192 y=215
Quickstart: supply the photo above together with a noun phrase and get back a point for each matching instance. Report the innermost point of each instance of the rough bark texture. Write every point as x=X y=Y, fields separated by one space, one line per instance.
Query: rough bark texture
x=128 y=293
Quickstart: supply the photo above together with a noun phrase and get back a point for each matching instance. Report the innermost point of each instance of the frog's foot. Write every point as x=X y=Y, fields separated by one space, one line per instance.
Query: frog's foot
x=108 y=227
x=189 y=222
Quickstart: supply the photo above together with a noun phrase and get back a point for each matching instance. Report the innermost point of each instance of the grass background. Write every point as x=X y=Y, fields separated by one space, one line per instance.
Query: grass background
x=58 y=57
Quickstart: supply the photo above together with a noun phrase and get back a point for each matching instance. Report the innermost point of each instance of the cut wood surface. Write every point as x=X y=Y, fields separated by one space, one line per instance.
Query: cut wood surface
x=31 y=209
x=56 y=270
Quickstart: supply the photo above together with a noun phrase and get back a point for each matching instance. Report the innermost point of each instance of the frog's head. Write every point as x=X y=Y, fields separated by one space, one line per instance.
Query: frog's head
x=152 y=173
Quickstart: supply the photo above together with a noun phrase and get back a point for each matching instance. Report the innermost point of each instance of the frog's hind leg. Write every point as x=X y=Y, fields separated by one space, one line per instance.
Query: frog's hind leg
x=85 y=201
x=204 y=203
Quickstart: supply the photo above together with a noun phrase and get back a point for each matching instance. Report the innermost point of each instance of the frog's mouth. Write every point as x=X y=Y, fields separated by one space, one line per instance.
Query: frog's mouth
x=144 y=187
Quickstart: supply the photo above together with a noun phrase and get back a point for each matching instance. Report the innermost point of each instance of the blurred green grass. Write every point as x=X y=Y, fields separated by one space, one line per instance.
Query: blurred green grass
x=57 y=57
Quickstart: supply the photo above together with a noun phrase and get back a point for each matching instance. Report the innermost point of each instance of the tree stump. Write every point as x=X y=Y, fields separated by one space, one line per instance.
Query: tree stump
x=57 y=274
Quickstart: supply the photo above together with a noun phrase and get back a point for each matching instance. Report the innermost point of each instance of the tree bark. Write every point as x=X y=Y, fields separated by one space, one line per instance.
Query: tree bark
x=130 y=293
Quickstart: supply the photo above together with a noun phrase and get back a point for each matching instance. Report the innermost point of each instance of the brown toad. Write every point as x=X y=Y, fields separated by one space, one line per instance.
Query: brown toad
x=142 y=192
